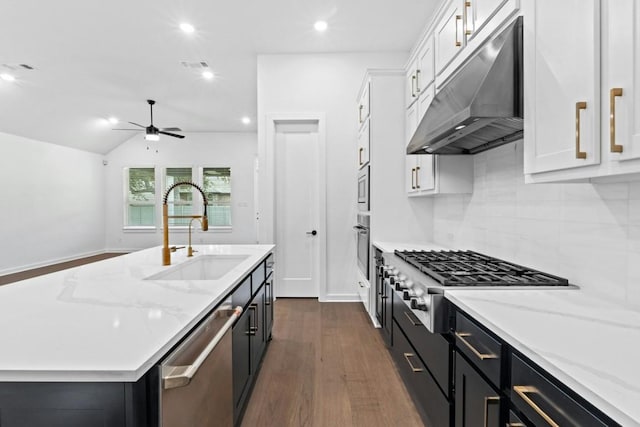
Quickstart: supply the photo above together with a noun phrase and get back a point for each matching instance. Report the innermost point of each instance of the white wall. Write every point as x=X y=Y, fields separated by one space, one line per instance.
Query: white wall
x=235 y=150
x=322 y=83
x=52 y=203
x=589 y=233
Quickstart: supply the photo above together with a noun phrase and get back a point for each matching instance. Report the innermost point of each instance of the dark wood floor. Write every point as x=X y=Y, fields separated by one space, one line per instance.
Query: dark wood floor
x=22 y=275
x=327 y=366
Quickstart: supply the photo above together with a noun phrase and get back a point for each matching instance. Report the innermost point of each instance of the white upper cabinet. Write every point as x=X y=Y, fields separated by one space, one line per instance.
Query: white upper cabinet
x=562 y=84
x=363 y=105
x=364 y=138
x=477 y=13
x=428 y=175
x=581 y=89
x=449 y=35
x=419 y=75
x=620 y=88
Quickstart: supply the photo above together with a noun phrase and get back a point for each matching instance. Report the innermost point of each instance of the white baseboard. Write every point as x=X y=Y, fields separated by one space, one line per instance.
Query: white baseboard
x=49 y=262
x=341 y=298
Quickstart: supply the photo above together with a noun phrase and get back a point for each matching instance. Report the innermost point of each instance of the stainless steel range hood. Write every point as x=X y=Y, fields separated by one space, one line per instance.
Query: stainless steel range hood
x=481 y=106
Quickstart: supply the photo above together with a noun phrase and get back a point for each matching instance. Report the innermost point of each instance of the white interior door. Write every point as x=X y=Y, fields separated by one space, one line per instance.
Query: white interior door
x=297 y=209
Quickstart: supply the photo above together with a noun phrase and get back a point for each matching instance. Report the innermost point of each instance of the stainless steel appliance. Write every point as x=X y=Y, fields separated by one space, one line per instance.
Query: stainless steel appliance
x=363 y=189
x=481 y=106
x=196 y=378
x=363 y=244
x=421 y=278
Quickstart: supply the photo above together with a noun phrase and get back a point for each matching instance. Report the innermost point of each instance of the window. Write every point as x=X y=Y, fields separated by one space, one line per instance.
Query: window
x=180 y=201
x=216 y=183
x=141 y=197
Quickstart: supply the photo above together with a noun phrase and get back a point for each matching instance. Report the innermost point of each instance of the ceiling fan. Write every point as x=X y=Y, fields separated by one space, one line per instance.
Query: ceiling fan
x=152 y=133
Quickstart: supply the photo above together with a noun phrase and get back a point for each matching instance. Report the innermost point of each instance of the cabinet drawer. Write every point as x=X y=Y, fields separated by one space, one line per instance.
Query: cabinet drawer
x=433 y=349
x=257 y=277
x=432 y=405
x=480 y=347
x=242 y=294
x=541 y=401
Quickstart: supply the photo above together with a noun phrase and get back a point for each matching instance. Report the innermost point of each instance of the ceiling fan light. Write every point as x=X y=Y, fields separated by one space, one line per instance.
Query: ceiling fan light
x=152 y=137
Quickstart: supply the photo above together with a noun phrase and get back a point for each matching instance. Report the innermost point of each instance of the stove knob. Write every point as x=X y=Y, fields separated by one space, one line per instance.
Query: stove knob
x=408 y=294
x=419 y=303
x=400 y=285
x=390 y=270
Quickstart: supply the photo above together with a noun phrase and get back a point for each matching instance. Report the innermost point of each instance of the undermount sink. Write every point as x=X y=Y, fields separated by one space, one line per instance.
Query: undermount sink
x=203 y=267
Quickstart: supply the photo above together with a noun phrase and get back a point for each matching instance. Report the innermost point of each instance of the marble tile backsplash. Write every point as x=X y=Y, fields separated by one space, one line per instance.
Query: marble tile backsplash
x=589 y=233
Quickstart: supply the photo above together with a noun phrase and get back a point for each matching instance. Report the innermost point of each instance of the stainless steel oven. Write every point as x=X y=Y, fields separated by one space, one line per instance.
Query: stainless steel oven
x=362 y=233
x=363 y=189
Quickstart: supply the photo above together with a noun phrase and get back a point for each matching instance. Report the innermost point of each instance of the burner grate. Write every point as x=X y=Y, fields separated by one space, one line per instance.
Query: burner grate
x=468 y=268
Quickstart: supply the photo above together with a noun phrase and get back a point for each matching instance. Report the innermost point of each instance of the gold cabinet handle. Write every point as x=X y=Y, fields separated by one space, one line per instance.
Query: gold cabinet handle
x=482 y=356
x=458 y=18
x=467 y=5
x=360 y=151
x=515 y=425
x=417 y=81
x=579 y=106
x=360 y=107
x=413 y=86
x=413 y=177
x=489 y=400
x=417 y=170
x=522 y=391
x=411 y=320
x=613 y=93
x=413 y=368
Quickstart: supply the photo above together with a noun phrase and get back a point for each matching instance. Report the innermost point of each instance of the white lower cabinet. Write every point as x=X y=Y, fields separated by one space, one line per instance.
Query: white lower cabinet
x=428 y=175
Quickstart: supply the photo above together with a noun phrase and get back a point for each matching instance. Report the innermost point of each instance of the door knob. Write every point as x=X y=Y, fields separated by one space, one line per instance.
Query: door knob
x=312 y=232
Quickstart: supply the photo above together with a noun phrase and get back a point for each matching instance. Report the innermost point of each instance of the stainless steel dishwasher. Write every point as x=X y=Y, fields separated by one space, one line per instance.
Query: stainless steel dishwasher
x=196 y=378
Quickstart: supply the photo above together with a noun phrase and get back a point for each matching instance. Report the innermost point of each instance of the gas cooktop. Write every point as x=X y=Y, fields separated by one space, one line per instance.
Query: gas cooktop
x=469 y=268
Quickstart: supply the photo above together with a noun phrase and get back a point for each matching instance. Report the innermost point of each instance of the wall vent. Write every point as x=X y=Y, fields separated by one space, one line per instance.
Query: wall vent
x=195 y=65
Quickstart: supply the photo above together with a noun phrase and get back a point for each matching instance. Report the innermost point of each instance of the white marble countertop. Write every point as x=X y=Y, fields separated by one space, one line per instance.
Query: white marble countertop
x=589 y=344
x=103 y=321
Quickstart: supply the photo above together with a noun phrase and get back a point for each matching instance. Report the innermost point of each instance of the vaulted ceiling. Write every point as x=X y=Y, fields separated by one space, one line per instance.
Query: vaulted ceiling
x=96 y=59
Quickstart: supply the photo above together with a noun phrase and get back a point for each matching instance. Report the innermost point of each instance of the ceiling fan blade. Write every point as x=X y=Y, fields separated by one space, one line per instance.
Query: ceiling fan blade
x=171 y=129
x=175 y=135
x=136 y=124
x=137 y=130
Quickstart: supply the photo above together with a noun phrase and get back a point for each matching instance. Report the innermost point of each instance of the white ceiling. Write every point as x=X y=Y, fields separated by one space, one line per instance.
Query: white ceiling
x=94 y=59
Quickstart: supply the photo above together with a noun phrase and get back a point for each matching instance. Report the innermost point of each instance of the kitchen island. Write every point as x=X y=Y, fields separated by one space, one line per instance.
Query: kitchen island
x=103 y=326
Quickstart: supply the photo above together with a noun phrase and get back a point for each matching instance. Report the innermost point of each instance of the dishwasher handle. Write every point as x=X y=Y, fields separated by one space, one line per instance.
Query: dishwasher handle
x=180 y=376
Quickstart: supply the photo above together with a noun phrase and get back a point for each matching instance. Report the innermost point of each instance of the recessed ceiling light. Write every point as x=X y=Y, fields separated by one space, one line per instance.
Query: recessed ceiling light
x=7 y=77
x=207 y=75
x=246 y=120
x=320 y=26
x=187 y=28
x=113 y=120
